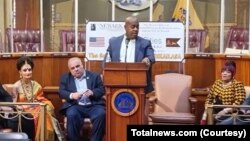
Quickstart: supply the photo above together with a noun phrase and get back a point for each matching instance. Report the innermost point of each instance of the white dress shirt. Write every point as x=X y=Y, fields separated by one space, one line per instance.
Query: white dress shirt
x=130 y=50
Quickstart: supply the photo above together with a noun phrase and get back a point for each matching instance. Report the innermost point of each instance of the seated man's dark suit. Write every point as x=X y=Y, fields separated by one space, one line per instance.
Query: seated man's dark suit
x=76 y=113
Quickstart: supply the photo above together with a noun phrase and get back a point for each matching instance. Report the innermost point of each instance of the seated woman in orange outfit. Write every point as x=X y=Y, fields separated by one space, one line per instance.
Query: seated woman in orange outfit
x=28 y=90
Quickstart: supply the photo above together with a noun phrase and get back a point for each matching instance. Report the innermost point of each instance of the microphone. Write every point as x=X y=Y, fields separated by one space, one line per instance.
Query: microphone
x=106 y=58
x=126 y=42
x=242 y=49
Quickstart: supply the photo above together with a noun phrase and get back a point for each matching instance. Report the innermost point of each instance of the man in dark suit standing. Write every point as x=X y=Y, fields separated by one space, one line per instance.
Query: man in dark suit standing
x=132 y=48
x=83 y=91
x=4 y=95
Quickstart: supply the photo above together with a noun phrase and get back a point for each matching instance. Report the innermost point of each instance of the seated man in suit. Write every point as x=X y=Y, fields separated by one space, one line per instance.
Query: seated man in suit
x=83 y=91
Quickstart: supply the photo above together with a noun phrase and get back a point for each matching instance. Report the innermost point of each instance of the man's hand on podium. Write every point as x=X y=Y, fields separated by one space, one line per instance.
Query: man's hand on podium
x=146 y=60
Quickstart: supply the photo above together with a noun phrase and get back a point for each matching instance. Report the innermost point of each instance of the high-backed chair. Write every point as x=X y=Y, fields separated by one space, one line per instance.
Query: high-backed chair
x=67 y=40
x=24 y=40
x=172 y=101
x=197 y=40
x=237 y=40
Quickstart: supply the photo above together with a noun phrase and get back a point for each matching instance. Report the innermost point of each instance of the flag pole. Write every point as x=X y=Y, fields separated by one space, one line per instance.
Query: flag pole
x=113 y=10
x=187 y=26
x=151 y=10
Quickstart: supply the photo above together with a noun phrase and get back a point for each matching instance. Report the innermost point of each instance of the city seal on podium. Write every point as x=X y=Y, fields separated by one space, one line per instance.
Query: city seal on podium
x=125 y=102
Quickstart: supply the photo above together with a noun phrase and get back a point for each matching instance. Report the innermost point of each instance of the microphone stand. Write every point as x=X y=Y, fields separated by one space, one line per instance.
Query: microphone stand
x=106 y=59
x=126 y=41
x=127 y=78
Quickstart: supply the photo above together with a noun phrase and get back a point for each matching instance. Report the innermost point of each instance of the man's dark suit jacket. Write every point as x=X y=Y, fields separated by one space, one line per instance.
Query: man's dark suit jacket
x=67 y=86
x=143 y=48
x=4 y=95
x=246 y=102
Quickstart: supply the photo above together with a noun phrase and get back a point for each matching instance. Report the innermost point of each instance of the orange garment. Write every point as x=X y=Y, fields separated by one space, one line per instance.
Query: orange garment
x=37 y=96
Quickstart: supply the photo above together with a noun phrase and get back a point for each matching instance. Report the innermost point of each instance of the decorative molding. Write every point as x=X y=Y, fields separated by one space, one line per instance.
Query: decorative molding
x=133 y=5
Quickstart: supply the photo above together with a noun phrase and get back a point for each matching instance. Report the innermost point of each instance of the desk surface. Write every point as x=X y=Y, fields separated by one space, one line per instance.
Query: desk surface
x=200 y=91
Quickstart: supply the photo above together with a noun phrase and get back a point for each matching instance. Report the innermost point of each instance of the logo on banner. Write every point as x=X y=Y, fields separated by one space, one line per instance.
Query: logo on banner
x=92 y=27
x=125 y=102
x=172 y=42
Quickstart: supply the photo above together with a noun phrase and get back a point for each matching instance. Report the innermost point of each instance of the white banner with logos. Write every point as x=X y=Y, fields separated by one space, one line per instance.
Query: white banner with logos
x=167 y=38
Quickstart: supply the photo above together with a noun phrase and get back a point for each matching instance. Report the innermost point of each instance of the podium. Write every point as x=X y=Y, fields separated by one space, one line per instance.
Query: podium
x=125 y=97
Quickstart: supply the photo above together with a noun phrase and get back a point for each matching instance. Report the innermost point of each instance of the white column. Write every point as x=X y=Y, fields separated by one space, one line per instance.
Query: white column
x=222 y=17
x=248 y=26
x=151 y=4
x=76 y=25
x=187 y=27
x=113 y=10
x=41 y=26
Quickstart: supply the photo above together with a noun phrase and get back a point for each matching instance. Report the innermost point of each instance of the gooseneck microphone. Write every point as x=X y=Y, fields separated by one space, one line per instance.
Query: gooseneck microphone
x=106 y=59
x=126 y=43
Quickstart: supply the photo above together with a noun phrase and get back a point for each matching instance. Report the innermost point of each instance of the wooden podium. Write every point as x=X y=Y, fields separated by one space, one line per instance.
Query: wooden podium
x=124 y=84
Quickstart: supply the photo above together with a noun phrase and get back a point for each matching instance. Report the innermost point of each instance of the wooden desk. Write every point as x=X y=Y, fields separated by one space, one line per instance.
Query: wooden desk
x=51 y=92
x=200 y=94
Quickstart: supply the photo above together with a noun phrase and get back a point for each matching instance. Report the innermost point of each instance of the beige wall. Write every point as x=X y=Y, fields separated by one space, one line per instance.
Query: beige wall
x=1 y=21
x=5 y=19
x=66 y=11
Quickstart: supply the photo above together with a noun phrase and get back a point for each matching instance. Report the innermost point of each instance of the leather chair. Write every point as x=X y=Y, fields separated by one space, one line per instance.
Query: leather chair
x=67 y=40
x=24 y=40
x=85 y=132
x=237 y=40
x=197 y=40
x=86 y=128
x=172 y=101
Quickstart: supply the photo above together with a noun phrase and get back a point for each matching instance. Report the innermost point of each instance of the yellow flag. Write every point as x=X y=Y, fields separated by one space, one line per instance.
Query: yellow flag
x=180 y=15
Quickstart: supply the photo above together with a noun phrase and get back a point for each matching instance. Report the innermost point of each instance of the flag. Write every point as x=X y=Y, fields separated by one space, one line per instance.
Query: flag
x=179 y=15
x=180 y=11
x=96 y=42
x=158 y=12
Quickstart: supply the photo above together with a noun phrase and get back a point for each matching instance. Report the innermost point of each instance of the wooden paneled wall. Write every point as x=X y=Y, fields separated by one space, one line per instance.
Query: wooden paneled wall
x=50 y=66
x=27 y=14
x=242 y=67
x=47 y=68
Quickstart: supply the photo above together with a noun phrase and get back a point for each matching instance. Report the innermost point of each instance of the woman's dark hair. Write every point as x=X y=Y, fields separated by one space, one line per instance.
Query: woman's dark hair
x=24 y=60
x=229 y=65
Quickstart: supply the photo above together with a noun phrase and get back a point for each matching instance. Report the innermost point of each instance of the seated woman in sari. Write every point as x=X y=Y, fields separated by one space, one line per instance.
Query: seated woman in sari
x=28 y=90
